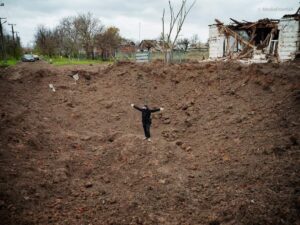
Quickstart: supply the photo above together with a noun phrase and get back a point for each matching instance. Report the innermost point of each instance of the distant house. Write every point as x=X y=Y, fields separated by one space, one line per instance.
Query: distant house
x=127 y=47
x=150 y=46
x=260 y=41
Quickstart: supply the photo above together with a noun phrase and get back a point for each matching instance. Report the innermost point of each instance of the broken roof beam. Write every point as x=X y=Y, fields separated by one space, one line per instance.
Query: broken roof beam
x=236 y=22
x=246 y=54
x=228 y=31
x=248 y=26
x=253 y=35
x=218 y=22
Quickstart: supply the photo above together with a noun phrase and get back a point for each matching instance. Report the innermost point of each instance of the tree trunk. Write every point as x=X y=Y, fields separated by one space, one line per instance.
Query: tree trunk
x=168 y=56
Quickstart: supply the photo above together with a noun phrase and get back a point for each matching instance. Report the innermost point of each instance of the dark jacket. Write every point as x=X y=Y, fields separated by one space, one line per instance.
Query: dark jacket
x=146 y=114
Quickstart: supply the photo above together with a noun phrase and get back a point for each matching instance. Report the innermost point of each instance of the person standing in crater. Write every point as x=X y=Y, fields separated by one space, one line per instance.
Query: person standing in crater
x=146 y=118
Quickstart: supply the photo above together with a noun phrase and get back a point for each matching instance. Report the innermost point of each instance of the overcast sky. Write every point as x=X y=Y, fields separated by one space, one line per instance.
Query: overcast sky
x=127 y=15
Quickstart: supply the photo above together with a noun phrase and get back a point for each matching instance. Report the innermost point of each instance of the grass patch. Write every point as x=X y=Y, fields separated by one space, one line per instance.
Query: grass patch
x=65 y=61
x=9 y=62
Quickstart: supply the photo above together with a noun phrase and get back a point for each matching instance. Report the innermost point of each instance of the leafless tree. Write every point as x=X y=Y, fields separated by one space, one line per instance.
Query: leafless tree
x=176 y=22
x=87 y=28
x=74 y=34
x=68 y=37
x=194 y=39
x=46 y=41
x=184 y=44
x=108 y=42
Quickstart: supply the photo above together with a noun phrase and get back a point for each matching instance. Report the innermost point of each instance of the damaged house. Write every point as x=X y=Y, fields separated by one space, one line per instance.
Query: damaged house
x=261 y=41
x=150 y=46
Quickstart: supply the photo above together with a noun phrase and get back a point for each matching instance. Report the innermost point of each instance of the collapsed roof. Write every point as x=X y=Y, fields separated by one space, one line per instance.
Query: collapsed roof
x=250 y=35
x=296 y=15
x=244 y=39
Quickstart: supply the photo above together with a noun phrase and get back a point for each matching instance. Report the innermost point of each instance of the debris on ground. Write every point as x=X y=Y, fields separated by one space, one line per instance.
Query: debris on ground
x=51 y=86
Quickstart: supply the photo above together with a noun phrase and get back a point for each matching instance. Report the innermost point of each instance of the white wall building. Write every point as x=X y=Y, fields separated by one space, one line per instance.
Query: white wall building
x=289 y=37
x=216 y=42
x=283 y=43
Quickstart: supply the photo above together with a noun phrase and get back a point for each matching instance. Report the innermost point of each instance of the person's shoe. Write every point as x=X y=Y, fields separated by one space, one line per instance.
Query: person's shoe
x=148 y=139
x=145 y=139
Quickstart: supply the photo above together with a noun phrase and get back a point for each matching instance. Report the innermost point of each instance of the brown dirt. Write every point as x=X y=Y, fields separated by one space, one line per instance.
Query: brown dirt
x=224 y=151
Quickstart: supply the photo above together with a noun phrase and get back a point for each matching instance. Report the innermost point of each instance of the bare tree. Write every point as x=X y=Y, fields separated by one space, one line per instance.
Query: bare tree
x=68 y=37
x=175 y=25
x=184 y=44
x=46 y=41
x=87 y=28
x=74 y=34
x=194 y=39
x=108 y=42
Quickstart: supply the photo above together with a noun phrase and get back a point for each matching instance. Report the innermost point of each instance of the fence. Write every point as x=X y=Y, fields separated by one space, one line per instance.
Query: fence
x=142 y=56
x=149 y=56
x=178 y=56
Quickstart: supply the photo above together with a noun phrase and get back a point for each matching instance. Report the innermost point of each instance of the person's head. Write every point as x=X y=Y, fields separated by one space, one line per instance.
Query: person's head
x=145 y=107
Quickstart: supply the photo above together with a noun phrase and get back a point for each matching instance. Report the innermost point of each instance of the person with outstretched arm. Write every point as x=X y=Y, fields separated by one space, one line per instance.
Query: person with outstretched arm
x=146 y=118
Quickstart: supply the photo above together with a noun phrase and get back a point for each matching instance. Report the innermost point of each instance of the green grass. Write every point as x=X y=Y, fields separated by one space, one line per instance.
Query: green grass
x=9 y=62
x=65 y=61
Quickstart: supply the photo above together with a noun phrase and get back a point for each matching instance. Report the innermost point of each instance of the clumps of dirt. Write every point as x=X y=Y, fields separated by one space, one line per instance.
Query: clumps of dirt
x=30 y=72
x=42 y=73
x=224 y=151
x=87 y=75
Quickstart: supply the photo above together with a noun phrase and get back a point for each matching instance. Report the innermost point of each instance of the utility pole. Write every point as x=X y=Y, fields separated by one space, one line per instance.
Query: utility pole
x=2 y=39
x=12 y=30
x=18 y=44
x=139 y=32
x=13 y=36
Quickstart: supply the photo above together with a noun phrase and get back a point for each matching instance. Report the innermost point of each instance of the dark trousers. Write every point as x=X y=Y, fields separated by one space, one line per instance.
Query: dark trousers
x=146 y=127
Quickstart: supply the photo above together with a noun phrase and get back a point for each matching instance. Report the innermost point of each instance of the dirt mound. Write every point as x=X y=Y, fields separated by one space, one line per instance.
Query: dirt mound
x=224 y=151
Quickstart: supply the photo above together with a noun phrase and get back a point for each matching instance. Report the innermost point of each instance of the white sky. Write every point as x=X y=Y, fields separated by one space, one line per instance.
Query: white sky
x=126 y=15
